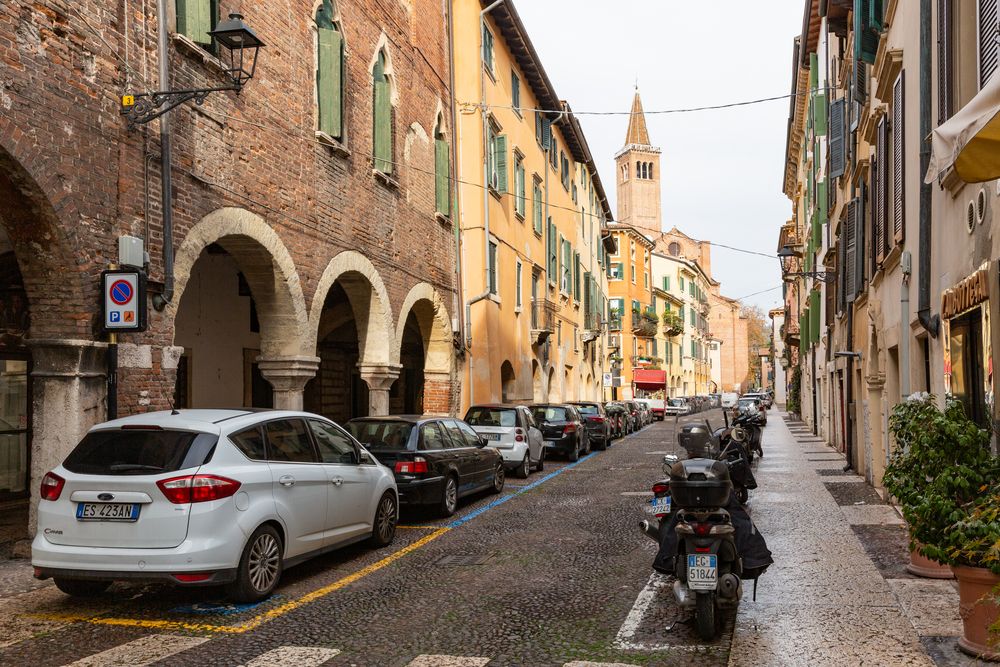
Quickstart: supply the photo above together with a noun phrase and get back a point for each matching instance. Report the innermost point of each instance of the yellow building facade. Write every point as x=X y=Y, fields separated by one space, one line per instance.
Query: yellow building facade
x=633 y=322
x=532 y=217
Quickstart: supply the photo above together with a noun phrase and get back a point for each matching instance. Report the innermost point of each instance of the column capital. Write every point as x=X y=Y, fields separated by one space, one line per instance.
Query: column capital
x=288 y=373
x=379 y=377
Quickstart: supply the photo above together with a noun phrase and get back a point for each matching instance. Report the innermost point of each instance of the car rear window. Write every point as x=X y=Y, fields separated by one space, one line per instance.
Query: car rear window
x=491 y=417
x=550 y=414
x=140 y=452
x=380 y=435
x=588 y=409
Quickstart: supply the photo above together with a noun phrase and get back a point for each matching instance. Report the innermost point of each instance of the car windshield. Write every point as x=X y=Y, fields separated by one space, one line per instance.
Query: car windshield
x=748 y=404
x=381 y=435
x=139 y=452
x=549 y=414
x=588 y=409
x=491 y=417
x=677 y=402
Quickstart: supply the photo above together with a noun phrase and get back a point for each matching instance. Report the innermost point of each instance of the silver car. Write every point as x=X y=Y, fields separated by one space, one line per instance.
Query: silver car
x=208 y=497
x=512 y=431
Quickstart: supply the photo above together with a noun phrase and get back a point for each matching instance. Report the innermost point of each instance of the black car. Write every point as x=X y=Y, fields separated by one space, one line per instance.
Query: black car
x=596 y=422
x=437 y=460
x=563 y=430
x=616 y=418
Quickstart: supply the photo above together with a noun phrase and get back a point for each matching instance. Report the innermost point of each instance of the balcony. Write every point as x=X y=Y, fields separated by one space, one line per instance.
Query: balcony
x=614 y=320
x=644 y=323
x=647 y=362
x=543 y=320
x=673 y=324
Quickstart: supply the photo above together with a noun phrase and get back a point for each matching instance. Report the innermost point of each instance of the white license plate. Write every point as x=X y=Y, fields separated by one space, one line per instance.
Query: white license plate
x=491 y=436
x=107 y=512
x=703 y=572
x=660 y=505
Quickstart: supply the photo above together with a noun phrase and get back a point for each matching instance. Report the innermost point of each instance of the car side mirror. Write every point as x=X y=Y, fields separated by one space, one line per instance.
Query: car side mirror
x=482 y=442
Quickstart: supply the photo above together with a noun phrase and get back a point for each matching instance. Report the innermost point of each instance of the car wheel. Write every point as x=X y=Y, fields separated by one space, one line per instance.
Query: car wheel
x=386 y=518
x=541 y=461
x=449 y=496
x=574 y=455
x=260 y=567
x=524 y=469
x=80 y=588
x=499 y=479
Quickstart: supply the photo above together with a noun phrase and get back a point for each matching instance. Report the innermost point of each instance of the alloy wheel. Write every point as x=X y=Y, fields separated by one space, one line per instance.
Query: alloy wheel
x=263 y=562
x=451 y=494
x=386 y=521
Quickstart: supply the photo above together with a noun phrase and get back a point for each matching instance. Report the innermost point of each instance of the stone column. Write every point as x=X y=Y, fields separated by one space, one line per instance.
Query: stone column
x=288 y=376
x=68 y=396
x=379 y=378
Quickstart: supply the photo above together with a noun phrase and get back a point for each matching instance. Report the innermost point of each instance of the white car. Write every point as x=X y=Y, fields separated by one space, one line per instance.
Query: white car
x=677 y=406
x=208 y=497
x=511 y=430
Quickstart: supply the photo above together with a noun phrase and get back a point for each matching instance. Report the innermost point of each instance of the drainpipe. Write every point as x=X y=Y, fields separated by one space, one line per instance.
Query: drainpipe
x=929 y=322
x=160 y=301
x=904 y=329
x=455 y=186
x=852 y=414
x=486 y=194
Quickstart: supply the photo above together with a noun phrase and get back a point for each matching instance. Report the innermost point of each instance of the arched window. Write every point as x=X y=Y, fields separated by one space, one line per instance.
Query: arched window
x=382 y=116
x=651 y=170
x=442 y=190
x=329 y=72
x=638 y=170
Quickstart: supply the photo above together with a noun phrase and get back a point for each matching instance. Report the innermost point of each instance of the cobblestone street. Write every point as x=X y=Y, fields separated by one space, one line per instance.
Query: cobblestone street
x=554 y=572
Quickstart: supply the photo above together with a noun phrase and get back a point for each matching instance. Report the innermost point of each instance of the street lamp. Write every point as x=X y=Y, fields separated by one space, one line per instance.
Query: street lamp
x=240 y=46
x=787 y=254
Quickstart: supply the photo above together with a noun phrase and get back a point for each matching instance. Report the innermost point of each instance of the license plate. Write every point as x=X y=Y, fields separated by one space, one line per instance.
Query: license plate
x=660 y=505
x=491 y=436
x=703 y=572
x=107 y=512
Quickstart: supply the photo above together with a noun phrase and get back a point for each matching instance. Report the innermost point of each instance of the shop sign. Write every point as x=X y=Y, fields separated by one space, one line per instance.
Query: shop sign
x=969 y=293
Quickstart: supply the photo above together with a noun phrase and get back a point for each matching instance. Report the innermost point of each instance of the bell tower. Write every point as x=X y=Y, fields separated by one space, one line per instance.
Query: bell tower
x=638 y=180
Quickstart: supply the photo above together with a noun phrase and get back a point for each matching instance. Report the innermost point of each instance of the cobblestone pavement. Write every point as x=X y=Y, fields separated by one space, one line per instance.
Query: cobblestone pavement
x=553 y=572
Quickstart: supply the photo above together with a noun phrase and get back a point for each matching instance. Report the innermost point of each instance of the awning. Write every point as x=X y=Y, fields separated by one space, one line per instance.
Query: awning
x=970 y=140
x=650 y=380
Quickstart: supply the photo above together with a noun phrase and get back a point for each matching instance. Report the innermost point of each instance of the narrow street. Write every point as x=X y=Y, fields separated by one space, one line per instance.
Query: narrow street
x=553 y=572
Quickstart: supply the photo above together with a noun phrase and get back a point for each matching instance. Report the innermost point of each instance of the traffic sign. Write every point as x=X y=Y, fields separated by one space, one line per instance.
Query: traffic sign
x=123 y=303
x=608 y=379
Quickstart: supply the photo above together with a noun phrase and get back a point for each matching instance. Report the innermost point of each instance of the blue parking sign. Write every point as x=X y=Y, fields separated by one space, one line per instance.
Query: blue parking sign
x=115 y=316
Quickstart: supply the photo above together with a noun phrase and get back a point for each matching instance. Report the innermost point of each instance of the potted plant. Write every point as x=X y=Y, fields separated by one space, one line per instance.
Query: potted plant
x=941 y=460
x=974 y=552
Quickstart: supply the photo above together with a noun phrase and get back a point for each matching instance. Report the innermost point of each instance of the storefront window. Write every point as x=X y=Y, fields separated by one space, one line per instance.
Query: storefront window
x=967 y=368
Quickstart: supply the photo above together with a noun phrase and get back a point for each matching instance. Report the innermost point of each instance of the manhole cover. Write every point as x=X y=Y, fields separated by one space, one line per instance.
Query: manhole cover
x=459 y=560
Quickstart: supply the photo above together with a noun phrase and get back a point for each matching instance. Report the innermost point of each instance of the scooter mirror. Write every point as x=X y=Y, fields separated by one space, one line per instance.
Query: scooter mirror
x=670 y=459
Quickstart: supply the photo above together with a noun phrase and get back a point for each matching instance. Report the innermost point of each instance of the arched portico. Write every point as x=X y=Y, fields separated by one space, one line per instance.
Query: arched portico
x=424 y=311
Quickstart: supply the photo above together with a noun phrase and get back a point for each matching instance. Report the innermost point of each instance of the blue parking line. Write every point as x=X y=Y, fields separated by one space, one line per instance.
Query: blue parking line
x=524 y=489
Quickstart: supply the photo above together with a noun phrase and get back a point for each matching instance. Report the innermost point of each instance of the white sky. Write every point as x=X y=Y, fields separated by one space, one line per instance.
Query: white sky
x=721 y=170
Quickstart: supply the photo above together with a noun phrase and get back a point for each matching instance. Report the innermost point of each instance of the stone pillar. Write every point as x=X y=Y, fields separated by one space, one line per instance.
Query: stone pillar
x=288 y=376
x=379 y=378
x=68 y=396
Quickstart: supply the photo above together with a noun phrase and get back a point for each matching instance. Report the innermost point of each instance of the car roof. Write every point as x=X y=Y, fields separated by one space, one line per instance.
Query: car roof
x=495 y=406
x=412 y=419
x=207 y=420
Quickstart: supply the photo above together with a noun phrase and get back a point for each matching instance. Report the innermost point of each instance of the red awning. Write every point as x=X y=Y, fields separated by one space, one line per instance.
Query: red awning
x=650 y=380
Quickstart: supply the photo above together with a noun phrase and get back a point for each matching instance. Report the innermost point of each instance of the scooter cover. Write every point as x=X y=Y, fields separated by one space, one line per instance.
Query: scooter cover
x=750 y=543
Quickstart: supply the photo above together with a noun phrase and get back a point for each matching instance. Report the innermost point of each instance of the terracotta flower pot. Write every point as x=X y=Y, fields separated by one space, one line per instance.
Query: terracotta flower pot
x=921 y=566
x=978 y=609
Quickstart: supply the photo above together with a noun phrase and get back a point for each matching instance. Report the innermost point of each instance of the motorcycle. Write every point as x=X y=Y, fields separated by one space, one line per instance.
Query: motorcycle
x=747 y=429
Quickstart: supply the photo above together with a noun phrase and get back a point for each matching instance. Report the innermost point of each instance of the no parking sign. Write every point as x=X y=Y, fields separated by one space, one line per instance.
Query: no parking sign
x=124 y=300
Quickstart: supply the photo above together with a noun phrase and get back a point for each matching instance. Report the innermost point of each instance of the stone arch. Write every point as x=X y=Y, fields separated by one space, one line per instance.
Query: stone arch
x=382 y=47
x=537 y=389
x=269 y=271
x=427 y=307
x=508 y=382
x=550 y=387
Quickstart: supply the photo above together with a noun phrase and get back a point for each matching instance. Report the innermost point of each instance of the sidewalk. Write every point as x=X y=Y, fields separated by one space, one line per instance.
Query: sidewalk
x=838 y=593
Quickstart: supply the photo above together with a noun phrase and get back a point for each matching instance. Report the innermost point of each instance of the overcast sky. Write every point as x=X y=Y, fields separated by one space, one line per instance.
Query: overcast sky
x=721 y=170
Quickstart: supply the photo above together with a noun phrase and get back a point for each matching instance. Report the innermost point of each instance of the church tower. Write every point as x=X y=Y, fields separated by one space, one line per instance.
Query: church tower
x=638 y=181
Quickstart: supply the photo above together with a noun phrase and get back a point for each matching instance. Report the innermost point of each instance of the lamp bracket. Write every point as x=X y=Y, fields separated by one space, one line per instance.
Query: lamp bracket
x=144 y=107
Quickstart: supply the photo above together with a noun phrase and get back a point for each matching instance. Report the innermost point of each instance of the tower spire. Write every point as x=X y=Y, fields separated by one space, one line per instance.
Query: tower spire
x=637 y=133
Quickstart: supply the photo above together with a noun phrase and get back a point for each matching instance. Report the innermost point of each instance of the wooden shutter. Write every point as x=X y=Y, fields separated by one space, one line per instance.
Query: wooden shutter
x=988 y=29
x=881 y=187
x=576 y=276
x=859 y=83
x=815 y=311
x=841 y=268
x=860 y=278
x=553 y=252
x=820 y=111
x=866 y=36
x=876 y=14
x=442 y=191
x=329 y=82
x=500 y=159
x=194 y=20
x=382 y=120
x=945 y=82
x=838 y=145
x=850 y=238
x=898 y=161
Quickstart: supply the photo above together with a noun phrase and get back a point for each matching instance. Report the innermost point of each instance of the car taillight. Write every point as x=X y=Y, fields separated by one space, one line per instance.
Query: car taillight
x=569 y=428
x=197 y=488
x=52 y=486
x=596 y=420
x=660 y=488
x=190 y=578
x=415 y=467
x=702 y=529
x=518 y=435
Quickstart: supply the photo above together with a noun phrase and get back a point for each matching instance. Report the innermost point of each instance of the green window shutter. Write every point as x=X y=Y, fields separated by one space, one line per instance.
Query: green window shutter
x=553 y=252
x=876 y=15
x=819 y=111
x=866 y=36
x=194 y=20
x=814 y=311
x=442 y=191
x=813 y=71
x=576 y=276
x=382 y=123
x=329 y=82
x=501 y=162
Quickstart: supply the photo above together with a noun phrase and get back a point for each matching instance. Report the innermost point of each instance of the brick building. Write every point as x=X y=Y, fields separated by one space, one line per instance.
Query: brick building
x=315 y=256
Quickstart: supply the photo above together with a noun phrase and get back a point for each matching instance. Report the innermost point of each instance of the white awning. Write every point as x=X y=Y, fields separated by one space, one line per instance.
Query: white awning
x=970 y=140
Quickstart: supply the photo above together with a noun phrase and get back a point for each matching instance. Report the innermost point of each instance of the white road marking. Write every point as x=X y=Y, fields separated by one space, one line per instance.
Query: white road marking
x=299 y=656
x=626 y=633
x=143 y=651
x=447 y=661
x=584 y=663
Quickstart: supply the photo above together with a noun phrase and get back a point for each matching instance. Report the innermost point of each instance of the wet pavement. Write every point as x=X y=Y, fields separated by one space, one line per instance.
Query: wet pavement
x=553 y=572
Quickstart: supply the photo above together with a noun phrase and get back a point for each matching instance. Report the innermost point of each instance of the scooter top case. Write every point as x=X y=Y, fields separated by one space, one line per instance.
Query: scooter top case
x=700 y=484
x=698 y=441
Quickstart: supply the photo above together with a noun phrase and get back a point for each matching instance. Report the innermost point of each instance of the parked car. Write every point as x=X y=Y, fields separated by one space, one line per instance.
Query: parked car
x=436 y=460
x=512 y=431
x=616 y=416
x=763 y=397
x=755 y=401
x=207 y=497
x=678 y=406
x=563 y=429
x=645 y=412
x=729 y=399
x=634 y=416
x=596 y=421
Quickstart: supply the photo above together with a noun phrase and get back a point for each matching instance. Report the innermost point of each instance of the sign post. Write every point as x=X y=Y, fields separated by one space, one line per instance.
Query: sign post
x=123 y=309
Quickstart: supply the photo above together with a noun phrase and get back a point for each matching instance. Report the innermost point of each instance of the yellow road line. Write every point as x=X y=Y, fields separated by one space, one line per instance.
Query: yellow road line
x=260 y=619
